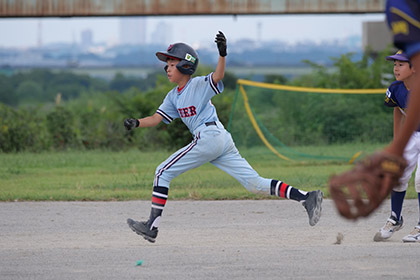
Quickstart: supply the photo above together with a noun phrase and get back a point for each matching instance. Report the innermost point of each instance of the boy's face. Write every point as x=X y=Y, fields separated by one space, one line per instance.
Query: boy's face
x=402 y=70
x=172 y=72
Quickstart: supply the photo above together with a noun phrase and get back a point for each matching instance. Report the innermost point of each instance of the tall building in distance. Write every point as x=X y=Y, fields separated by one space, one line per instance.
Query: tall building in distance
x=132 y=31
x=259 y=33
x=39 y=35
x=86 y=38
x=162 y=34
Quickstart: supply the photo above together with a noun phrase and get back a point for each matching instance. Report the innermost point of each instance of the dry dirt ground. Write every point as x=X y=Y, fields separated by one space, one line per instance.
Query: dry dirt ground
x=264 y=239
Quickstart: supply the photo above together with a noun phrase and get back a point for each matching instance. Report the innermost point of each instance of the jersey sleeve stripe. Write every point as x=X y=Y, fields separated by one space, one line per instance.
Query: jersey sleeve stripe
x=165 y=116
x=213 y=86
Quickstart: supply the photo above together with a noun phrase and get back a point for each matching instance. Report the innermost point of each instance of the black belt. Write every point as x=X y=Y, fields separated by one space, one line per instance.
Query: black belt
x=210 y=123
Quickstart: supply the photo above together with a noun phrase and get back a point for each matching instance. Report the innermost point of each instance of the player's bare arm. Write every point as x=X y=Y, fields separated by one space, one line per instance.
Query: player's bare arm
x=150 y=121
x=219 y=73
x=221 y=42
x=398 y=120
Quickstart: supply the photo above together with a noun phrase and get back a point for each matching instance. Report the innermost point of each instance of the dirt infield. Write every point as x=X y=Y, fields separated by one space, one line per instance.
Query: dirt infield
x=264 y=239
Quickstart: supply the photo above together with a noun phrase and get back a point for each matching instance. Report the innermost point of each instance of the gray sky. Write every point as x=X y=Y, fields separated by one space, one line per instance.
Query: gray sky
x=21 y=32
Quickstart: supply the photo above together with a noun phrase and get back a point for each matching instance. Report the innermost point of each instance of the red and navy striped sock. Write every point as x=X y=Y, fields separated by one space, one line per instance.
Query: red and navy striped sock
x=160 y=195
x=280 y=189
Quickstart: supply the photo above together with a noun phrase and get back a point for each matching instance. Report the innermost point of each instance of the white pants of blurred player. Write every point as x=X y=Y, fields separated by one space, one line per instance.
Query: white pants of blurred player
x=412 y=156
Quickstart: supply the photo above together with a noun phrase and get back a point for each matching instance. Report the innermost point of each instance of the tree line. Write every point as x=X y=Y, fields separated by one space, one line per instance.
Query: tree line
x=45 y=110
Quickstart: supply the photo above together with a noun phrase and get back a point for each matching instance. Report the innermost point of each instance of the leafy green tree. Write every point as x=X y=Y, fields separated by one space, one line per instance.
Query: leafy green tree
x=22 y=130
x=60 y=124
x=348 y=74
x=121 y=83
x=7 y=94
x=29 y=91
x=275 y=79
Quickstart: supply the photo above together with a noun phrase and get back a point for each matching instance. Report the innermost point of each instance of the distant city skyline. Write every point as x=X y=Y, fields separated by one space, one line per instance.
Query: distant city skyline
x=31 y=32
x=132 y=25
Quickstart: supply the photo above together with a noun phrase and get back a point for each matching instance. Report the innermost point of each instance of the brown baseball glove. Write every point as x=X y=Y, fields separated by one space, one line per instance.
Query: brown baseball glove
x=358 y=192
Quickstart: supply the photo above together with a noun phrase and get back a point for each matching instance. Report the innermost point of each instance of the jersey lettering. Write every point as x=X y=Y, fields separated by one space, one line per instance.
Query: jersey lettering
x=187 y=112
x=192 y=111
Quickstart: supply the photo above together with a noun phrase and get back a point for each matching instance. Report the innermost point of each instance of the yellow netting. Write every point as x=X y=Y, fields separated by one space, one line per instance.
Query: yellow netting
x=263 y=133
x=308 y=89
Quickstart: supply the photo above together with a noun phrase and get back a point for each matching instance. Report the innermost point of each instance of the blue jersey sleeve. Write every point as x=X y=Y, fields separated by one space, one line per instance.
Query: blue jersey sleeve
x=389 y=99
x=396 y=95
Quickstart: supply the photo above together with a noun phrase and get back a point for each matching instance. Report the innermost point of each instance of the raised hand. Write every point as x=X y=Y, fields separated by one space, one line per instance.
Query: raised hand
x=221 y=44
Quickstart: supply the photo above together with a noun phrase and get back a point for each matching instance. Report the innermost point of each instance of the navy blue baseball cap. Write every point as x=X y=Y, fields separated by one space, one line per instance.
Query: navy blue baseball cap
x=399 y=55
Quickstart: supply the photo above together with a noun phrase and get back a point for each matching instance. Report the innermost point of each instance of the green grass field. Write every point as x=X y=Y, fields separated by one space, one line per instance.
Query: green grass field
x=105 y=175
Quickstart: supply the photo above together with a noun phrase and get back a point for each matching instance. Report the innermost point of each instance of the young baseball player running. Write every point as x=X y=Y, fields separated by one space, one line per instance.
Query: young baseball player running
x=190 y=100
x=397 y=97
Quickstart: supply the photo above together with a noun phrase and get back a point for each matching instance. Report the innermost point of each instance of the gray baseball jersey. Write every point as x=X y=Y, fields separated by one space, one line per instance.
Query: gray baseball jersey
x=192 y=103
x=211 y=142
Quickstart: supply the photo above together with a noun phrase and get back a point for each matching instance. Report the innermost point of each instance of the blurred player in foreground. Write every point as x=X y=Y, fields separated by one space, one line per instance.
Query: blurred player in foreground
x=190 y=100
x=396 y=97
x=374 y=177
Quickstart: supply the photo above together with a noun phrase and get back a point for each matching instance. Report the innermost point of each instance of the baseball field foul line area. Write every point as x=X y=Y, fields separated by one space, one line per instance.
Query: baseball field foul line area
x=263 y=239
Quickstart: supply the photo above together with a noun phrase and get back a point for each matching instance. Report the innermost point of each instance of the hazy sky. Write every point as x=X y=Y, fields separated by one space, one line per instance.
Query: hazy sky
x=23 y=32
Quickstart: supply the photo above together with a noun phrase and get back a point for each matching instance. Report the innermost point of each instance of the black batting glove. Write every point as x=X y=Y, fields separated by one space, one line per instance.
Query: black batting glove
x=131 y=123
x=221 y=44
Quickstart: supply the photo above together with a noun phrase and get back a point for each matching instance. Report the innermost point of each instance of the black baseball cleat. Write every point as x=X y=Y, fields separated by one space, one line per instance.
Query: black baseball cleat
x=313 y=205
x=141 y=228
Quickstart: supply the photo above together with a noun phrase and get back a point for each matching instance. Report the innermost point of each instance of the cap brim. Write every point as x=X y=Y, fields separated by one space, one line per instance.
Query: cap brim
x=397 y=57
x=164 y=56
